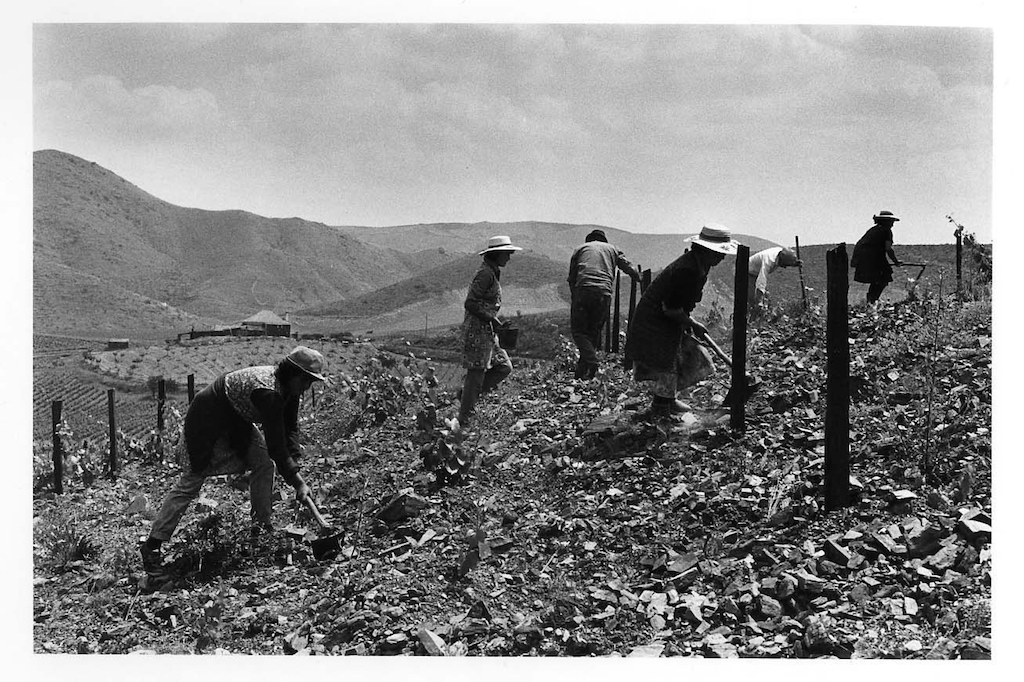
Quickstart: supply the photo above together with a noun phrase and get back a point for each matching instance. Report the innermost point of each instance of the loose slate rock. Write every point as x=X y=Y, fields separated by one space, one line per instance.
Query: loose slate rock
x=647 y=650
x=433 y=644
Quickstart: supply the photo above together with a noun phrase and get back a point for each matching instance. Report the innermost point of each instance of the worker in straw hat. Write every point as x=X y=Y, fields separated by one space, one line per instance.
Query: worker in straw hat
x=591 y=283
x=660 y=344
x=220 y=437
x=486 y=362
x=869 y=260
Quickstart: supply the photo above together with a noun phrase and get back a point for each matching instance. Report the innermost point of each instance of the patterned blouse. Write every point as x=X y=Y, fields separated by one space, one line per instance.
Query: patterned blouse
x=480 y=349
x=240 y=384
x=231 y=406
x=484 y=297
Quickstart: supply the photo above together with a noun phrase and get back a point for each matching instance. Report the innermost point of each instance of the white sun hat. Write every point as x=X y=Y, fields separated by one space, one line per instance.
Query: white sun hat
x=717 y=238
x=499 y=242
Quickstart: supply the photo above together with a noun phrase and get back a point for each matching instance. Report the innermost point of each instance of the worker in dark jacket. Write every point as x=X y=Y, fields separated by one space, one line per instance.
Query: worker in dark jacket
x=869 y=260
x=659 y=343
x=220 y=437
x=591 y=283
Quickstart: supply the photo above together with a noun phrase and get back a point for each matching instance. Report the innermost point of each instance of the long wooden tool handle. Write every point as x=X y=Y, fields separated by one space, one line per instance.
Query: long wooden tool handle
x=718 y=350
x=800 y=269
x=316 y=512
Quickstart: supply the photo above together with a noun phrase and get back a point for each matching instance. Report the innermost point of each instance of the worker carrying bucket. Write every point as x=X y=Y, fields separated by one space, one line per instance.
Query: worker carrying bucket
x=661 y=346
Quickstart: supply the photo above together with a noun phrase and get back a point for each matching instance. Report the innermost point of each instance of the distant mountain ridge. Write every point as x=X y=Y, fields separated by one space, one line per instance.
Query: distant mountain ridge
x=553 y=240
x=110 y=258
x=209 y=265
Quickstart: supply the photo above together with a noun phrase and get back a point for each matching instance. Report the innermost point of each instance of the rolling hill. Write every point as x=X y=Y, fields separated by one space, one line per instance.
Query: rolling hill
x=530 y=284
x=553 y=240
x=111 y=259
x=89 y=223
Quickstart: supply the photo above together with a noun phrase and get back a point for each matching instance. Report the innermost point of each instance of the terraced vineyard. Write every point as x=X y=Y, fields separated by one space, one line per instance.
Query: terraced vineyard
x=84 y=406
x=79 y=373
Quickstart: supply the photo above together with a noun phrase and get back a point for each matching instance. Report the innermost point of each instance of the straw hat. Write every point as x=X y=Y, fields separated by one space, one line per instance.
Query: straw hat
x=499 y=242
x=308 y=360
x=717 y=238
x=886 y=215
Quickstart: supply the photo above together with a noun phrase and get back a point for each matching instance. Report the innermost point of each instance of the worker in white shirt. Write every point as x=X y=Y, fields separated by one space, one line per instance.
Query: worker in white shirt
x=762 y=264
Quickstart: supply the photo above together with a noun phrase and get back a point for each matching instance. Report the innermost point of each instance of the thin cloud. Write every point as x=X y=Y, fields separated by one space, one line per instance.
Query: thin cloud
x=103 y=104
x=632 y=126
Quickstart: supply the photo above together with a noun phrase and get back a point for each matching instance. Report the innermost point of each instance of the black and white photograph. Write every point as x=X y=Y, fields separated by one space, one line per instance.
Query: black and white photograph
x=495 y=332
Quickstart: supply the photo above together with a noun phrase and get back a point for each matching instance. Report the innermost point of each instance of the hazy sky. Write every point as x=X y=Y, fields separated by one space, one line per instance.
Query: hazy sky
x=774 y=130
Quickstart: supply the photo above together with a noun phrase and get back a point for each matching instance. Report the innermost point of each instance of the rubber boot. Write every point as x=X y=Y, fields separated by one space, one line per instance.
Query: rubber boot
x=153 y=563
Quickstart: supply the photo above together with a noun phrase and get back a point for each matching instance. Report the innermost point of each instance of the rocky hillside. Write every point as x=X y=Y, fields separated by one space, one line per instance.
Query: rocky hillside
x=89 y=223
x=113 y=260
x=568 y=521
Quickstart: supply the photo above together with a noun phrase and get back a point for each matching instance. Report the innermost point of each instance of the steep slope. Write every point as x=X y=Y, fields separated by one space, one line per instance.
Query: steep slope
x=72 y=303
x=219 y=264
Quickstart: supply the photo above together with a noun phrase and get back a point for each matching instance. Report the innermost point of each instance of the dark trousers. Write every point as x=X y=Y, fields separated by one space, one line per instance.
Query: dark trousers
x=875 y=290
x=588 y=315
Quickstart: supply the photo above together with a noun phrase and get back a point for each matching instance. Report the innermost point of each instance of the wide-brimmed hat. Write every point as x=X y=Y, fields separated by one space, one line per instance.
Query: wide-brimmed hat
x=499 y=242
x=886 y=215
x=308 y=360
x=717 y=238
x=597 y=236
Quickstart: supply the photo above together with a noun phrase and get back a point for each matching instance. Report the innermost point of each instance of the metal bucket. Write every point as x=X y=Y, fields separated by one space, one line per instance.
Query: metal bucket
x=508 y=337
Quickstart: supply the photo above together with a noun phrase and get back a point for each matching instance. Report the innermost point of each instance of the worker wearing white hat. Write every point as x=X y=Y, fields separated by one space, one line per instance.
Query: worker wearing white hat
x=659 y=342
x=486 y=362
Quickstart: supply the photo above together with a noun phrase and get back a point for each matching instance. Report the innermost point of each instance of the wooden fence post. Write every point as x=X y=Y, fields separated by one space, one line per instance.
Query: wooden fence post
x=615 y=319
x=737 y=415
x=645 y=281
x=112 y=431
x=959 y=265
x=958 y=233
x=800 y=268
x=161 y=398
x=191 y=387
x=837 y=409
x=56 y=408
x=632 y=302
